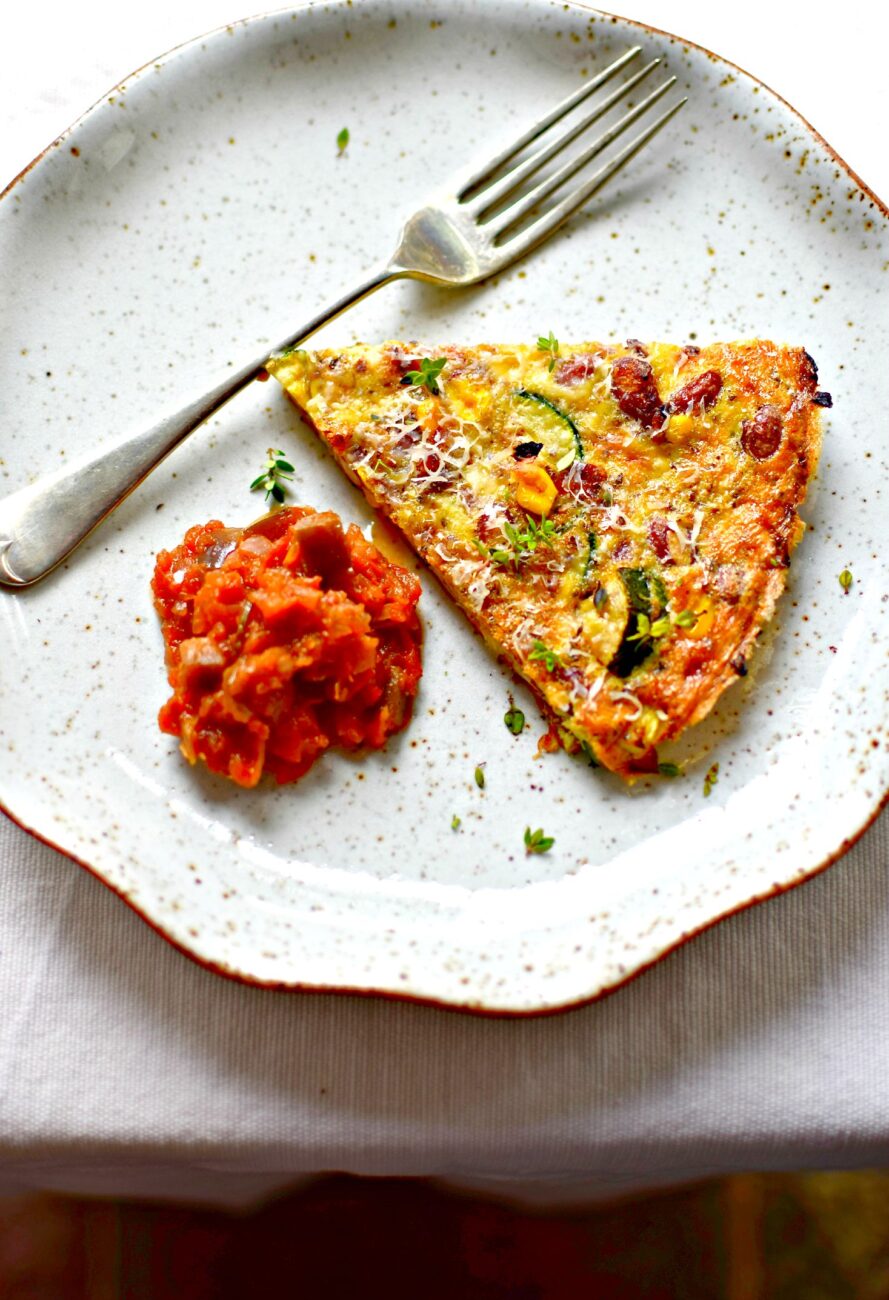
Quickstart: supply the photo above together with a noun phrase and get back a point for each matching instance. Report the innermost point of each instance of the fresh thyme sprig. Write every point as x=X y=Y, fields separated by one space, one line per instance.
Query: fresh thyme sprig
x=540 y=652
x=522 y=541
x=537 y=842
x=274 y=471
x=661 y=626
x=645 y=627
x=550 y=344
x=427 y=375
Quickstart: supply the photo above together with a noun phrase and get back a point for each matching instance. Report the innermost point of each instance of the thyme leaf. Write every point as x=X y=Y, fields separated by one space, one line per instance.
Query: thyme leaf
x=550 y=344
x=427 y=375
x=541 y=653
x=275 y=472
x=523 y=541
x=537 y=842
x=515 y=721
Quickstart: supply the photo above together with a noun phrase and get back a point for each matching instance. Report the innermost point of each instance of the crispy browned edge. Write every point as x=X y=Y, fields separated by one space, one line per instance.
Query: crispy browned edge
x=776 y=582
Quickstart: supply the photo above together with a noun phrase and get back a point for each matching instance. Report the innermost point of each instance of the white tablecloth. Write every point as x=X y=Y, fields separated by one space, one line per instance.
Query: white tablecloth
x=127 y=1070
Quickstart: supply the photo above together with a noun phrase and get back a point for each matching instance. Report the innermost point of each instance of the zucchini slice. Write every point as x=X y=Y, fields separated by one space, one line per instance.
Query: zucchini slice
x=545 y=423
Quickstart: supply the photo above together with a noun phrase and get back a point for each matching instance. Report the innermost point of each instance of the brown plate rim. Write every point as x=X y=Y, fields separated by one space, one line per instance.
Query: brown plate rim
x=393 y=995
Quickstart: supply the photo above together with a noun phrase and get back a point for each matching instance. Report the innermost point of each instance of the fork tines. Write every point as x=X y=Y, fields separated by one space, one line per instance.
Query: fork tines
x=502 y=195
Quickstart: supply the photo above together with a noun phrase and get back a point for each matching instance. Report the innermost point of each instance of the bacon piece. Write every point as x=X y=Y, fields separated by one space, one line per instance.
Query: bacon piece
x=487 y=527
x=635 y=391
x=575 y=369
x=761 y=436
x=659 y=536
x=703 y=390
x=591 y=477
x=586 y=480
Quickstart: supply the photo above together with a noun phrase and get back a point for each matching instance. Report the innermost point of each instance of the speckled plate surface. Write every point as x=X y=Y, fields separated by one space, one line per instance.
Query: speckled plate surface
x=201 y=208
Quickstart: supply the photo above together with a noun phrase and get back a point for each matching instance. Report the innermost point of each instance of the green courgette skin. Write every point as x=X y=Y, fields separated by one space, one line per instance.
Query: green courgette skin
x=529 y=395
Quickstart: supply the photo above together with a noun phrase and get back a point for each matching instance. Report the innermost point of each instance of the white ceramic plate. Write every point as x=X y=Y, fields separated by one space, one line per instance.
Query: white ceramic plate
x=202 y=208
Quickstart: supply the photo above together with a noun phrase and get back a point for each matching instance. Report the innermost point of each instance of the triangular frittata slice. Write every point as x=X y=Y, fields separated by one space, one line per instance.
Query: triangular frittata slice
x=616 y=521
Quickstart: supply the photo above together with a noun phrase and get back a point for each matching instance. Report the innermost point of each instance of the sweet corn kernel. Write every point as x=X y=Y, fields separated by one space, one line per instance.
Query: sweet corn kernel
x=535 y=490
x=704 y=622
x=679 y=427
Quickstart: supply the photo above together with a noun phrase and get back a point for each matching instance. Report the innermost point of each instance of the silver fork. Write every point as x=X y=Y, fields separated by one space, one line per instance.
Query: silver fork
x=479 y=223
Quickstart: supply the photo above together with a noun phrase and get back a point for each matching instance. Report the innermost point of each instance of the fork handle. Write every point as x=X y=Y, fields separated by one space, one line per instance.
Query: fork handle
x=41 y=524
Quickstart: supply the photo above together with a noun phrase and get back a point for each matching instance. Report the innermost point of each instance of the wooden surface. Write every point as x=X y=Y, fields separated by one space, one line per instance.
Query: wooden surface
x=780 y=1237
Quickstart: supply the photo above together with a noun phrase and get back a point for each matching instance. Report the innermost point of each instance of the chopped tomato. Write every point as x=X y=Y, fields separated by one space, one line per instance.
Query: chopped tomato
x=283 y=639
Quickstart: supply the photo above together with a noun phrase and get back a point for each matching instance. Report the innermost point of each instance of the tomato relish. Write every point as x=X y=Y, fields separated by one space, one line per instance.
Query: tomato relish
x=283 y=639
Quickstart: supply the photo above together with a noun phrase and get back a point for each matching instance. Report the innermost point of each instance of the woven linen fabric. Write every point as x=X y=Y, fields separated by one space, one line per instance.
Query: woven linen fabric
x=126 y=1069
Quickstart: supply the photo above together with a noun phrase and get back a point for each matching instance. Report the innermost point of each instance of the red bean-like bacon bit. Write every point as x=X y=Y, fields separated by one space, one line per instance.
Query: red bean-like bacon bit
x=761 y=436
x=338 y=442
x=591 y=476
x=703 y=390
x=586 y=480
x=401 y=362
x=486 y=527
x=405 y=367
x=635 y=345
x=432 y=473
x=659 y=536
x=573 y=370
x=635 y=391
x=822 y=399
